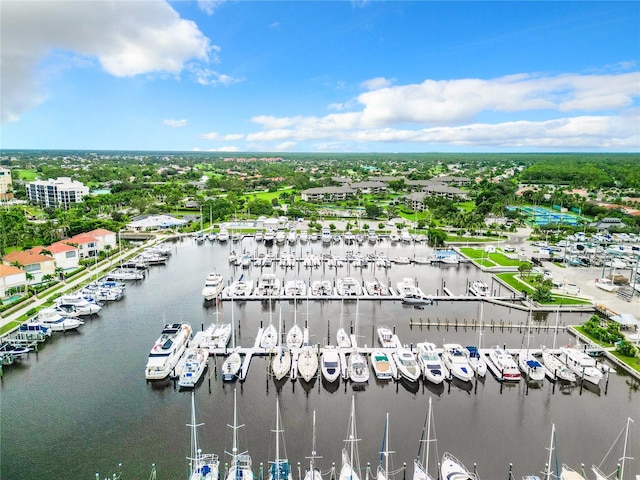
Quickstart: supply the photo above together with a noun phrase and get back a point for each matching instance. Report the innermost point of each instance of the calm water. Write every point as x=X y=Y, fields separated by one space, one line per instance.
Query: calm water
x=82 y=405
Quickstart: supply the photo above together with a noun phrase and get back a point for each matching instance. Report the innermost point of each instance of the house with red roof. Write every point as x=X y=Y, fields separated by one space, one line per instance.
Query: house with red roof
x=36 y=264
x=11 y=277
x=89 y=244
x=66 y=256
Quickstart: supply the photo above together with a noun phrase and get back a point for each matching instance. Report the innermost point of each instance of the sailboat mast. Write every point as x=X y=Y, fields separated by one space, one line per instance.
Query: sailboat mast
x=426 y=456
x=547 y=473
x=624 y=450
x=277 y=462
x=386 y=443
x=313 y=448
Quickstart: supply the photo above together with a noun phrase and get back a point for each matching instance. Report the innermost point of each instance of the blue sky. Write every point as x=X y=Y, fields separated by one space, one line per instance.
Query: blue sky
x=313 y=76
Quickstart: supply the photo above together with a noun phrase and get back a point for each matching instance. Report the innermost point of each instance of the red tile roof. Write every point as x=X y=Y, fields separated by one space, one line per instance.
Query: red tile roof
x=27 y=257
x=6 y=270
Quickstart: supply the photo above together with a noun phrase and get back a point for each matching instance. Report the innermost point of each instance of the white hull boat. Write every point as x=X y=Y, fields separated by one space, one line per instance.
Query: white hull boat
x=321 y=288
x=358 y=370
x=330 y=364
x=383 y=365
x=479 y=288
x=194 y=366
x=503 y=366
x=376 y=288
x=53 y=319
x=281 y=363
x=269 y=337
x=406 y=363
x=533 y=370
x=295 y=337
x=307 y=362
x=431 y=364
x=386 y=337
x=82 y=305
x=348 y=287
x=268 y=285
x=456 y=362
x=476 y=361
x=231 y=367
x=213 y=285
x=167 y=350
x=343 y=339
x=453 y=469
x=581 y=364
x=556 y=368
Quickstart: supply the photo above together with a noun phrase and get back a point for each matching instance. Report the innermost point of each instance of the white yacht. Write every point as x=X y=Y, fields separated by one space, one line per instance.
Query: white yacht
x=295 y=288
x=453 y=469
x=124 y=274
x=343 y=338
x=479 y=288
x=194 y=366
x=241 y=288
x=606 y=284
x=167 y=350
x=330 y=364
x=502 y=364
x=83 y=306
x=223 y=235
x=269 y=236
x=376 y=288
x=240 y=468
x=387 y=338
x=258 y=236
x=321 y=288
x=280 y=237
x=269 y=337
x=326 y=236
x=213 y=285
x=304 y=236
x=557 y=368
x=202 y=466
x=581 y=364
x=348 y=286
x=268 y=285
x=217 y=335
x=476 y=361
x=281 y=363
x=51 y=317
x=407 y=364
x=292 y=237
x=372 y=237
x=231 y=366
x=405 y=236
x=456 y=362
x=433 y=369
x=358 y=369
x=407 y=287
x=531 y=367
x=349 y=238
x=383 y=366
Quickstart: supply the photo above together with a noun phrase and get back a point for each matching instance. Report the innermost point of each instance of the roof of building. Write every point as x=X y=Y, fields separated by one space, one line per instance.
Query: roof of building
x=28 y=257
x=323 y=190
x=156 y=221
x=6 y=270
x=57 y=247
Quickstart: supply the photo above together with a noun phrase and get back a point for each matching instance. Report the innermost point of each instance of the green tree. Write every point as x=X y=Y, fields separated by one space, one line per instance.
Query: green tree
x=436 y=237
x=372 y=210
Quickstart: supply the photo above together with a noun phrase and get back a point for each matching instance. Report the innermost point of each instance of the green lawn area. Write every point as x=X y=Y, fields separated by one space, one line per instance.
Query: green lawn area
x=465 y=239
x=632 y=362
x=466 y=206
x=514 y=281
x=266 y=195
x=27 y=175
x=489 y=259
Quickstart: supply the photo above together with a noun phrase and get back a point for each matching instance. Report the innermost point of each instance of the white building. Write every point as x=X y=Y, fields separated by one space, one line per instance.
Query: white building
x=11 y=277
x=61 y=192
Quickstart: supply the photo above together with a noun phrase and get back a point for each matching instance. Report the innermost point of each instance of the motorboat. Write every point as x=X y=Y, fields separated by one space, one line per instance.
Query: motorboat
x=202 y=466
x=213 y=285
x=479 y=288
x=401 y=260
x=449 y=260
x=268 y=285
x=269 y=237
x=223 y=235
x=456 y=362
x=16 y=351
x=124 y=274
x=531 y=367
x=581 y=364
x=383 y=366
x=387 y=338
x=68 y=310
x=567 y=473
x=349 y=238
x=194 y=366
x=167 y=350
x=83 y=306
x=405 y=236
x=100 y=294
x=217 y=335
x=321 y=288
x=31 y=330
x=357 y=368
x=350 y=459
x=407 y=288
x=330 y=363
x=295 y=288
x=343 y=338
x=326 y=236
x=406 y=363
x=258 y=236
x=422 y=260
x=417 y=298
x=57 y=322
x=241 y=288
x=375 y=288
x=240 y=468
x=372 y=237
x=295 y=336
x=304 y=236
x=453 y=469
x=556 y=368
x=280 y=237
x=281 y=363
x=502 y=364
x=476 y=361
x=292 y=237
x=280 y=468
x=606 y=284
x=269 y=337
x=307 y=362
x=348 y=287
x=245 y=260
x=430 y=362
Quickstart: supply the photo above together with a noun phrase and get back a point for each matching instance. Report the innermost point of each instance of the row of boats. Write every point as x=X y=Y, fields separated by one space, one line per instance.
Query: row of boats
x=269 y=285
x=176 y=354
x=448 y=467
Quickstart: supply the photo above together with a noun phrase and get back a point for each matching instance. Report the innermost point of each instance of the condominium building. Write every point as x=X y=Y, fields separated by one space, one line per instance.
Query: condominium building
x=61 y=192
x=6 y=187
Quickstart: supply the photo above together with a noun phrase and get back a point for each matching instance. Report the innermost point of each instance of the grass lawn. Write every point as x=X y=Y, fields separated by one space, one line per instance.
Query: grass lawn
x=633 y=362
x=466 y=206
x=514 y=281
x=27 y=175
x=266 y=195
x=489 y=259
x=463 y=239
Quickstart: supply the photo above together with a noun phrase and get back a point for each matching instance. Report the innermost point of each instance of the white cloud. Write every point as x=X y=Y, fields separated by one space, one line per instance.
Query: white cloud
x=285 y=146
x=206 y=76
x=376 y=83
x=209 y=6
x=176 y=123
x=127 y=37
x=225 y=138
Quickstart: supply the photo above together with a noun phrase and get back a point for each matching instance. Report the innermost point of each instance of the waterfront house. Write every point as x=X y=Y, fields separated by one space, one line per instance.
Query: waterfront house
x=11 y=277
x=66 y=256
x=89 y=244
x=36 y=264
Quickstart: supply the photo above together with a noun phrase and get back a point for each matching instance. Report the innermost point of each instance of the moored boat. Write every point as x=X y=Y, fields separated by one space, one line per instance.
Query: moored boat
x=330 y=364
x=194 y=366
x=167 y=350
x=431 y=364
x=502 y=364
x=456 y=362
x=382 y=365
x=406 y=363
x=453 y=469
x=581 y=364
x=202 y=466
x=56 y=321
x=386 y=337
x=213 y=285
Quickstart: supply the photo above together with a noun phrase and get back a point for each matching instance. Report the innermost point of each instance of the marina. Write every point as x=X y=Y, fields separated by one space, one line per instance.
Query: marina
x=149 y=417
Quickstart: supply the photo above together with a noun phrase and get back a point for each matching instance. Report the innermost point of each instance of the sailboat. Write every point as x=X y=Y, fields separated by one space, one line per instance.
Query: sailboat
x=269 y=337
x=307 y=358
x=233 y=363
x=476 y=361
x=281 y=363
x=202 y=466
x=280 y=468
x=294 y=337
x=556 y=369
x=383 y=473
x=350 y=462
x=529 y=364
x=358 y=367
x=240 y=462
x=421 y=463
x=619 y=473
x=313 y=473
x=342 y=337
